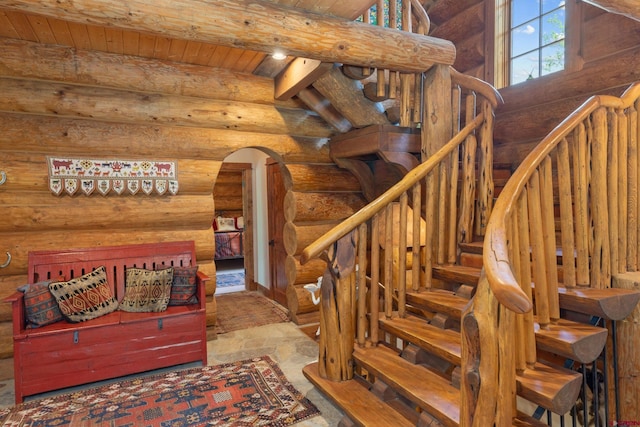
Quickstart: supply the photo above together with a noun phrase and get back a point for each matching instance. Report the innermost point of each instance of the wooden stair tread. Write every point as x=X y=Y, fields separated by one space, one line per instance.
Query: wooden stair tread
x=574 y=340
x=426 y=389
x=358 y=403
x=439 y=302
x=609 y=303
x=524 y=420
x=457 y=274
x=551 y=387
x=444 y=343
x=542 y=389
x=471 y=247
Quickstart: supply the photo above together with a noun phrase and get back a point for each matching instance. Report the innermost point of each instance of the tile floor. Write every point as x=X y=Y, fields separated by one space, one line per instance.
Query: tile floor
x=284 y=342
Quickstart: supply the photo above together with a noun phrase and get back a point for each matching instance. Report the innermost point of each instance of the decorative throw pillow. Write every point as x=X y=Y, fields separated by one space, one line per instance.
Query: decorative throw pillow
x=239 y=222
x=40 y=306
x=226 y=224
x=184 y=288
x=85 y=297
x=146 y=290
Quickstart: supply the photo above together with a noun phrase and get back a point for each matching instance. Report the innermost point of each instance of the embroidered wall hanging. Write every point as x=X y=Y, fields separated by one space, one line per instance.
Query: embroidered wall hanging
x=87 y=176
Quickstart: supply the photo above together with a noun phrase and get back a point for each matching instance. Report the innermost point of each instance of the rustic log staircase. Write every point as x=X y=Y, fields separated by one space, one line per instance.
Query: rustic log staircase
x=437 y=310
x=436 y=338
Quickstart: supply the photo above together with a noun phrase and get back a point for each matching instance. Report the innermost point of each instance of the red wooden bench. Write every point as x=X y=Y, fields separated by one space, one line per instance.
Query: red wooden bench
x=120 y=343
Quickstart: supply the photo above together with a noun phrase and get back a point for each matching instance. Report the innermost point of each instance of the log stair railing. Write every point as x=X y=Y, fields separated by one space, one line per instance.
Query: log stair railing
x=407 y=314
x=412 y=332
x=586 y=171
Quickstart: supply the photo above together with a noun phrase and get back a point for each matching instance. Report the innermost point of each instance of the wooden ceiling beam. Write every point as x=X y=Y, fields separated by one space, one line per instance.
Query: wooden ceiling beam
x=256 y=25
x=299 y=74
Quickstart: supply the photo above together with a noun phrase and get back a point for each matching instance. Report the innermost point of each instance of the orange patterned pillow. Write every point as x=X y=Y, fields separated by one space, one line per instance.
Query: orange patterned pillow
x=85 y=297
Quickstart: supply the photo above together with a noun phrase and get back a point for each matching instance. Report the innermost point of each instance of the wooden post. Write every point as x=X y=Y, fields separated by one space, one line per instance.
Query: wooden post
x=628 y=343
x=337 y=324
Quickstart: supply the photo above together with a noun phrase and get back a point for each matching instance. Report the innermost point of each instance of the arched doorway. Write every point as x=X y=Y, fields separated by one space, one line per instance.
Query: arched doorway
x=246 y=190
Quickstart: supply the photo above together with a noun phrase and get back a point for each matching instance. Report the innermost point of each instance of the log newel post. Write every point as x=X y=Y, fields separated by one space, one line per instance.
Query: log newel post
x=481 y=360
x=337 y=305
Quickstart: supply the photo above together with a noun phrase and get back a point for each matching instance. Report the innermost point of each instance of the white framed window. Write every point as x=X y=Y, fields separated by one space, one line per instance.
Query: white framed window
x=533 y=38
x=537 y=38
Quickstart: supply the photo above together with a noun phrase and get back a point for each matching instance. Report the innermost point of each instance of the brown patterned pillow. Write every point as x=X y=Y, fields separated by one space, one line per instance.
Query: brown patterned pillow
x=147 y=290
x=184 y=287
x=85 y=297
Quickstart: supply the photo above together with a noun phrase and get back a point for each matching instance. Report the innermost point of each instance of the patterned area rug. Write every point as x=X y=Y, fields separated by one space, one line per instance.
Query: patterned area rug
x=242 y=310
x=225 y=279
x=251 y=392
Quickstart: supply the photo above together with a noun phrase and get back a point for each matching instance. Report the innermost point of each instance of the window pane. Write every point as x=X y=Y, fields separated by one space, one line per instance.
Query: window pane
x=553 y=26
x=548 y=5
x=523 y=11
x=552 y=58
x=524 y=67
x=524 y=38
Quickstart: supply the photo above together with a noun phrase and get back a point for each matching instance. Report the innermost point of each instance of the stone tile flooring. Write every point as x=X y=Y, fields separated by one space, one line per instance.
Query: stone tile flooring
x=284 y=342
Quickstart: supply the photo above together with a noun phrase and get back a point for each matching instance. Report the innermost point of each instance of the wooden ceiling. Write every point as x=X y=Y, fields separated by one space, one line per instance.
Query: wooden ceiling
x=41 y=29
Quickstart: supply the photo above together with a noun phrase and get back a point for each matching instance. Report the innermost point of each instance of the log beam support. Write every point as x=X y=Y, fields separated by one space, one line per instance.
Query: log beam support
x=256 y=25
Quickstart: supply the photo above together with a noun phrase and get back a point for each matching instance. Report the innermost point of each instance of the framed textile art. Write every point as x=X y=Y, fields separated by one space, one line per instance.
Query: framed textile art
x=88 y=176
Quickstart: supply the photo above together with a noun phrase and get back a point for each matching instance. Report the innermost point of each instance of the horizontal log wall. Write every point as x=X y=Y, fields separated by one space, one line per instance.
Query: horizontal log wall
x=463 y=22
x=608 y=60
x=228 y=190
x=319 y=196
x=57 y=101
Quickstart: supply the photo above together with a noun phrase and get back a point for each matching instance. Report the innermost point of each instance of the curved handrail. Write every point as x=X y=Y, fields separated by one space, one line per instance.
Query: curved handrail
x=421 y=15
x=367 y=212
x=496 y=261
x=475 y=84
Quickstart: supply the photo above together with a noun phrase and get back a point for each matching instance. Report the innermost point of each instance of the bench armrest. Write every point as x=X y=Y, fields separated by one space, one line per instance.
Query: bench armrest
x=17 y=312
x=201 y=280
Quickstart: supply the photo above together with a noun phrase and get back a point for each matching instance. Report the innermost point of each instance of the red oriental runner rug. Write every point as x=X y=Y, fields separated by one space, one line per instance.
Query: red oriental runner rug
x=251 y=392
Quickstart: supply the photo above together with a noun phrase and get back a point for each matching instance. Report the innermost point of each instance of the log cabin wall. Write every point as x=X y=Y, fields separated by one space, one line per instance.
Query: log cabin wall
x=463 y=23
x=318 y=197
x=227 y=192
x=58 y=101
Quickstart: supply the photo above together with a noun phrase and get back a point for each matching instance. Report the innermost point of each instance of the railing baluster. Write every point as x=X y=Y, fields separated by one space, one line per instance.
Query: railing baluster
x=524 y=274
x=380 y=84
x=514 y=250
x=600 y=256
x=375 y=278
x=467 y=211
x=442 y=212
x=537 y=250
x=402 y=255
x=566 y=215
x=623 y=188
x=549 y=237
x=452 y=250
x=416 y=244
x=361 y=277
x=581 y=205
x=388 y=261
x=634 y=178
x=611 y=176
x=430 y=213
x=485 y=193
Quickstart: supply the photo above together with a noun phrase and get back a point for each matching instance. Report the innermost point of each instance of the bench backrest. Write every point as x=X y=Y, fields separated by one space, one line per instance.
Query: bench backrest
x=52 y=265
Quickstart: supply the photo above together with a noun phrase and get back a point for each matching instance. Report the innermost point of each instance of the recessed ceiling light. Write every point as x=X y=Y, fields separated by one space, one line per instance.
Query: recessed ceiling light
x=279 y=56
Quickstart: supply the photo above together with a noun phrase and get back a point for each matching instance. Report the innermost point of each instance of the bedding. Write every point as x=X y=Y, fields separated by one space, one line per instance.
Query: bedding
x=229 y=245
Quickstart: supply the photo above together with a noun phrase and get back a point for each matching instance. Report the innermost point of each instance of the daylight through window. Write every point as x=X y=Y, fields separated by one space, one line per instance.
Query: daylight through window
x=537 y=38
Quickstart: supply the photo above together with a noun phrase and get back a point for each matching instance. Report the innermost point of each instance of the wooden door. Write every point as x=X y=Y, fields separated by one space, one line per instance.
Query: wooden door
x=277 y=253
